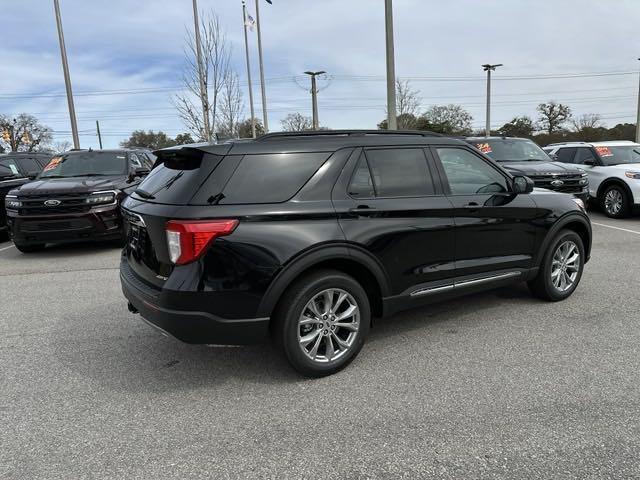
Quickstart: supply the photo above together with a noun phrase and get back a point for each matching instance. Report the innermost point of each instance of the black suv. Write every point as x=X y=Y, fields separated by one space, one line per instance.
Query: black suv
x=16 y=169
x=76 y=197
x=521 y=156
x=308 y=236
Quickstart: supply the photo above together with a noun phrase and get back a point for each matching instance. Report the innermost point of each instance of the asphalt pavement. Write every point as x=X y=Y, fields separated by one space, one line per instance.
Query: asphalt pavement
x=496 y=385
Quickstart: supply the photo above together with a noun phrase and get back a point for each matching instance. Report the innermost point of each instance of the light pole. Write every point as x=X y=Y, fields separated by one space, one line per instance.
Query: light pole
x=638 y=119
x=265 y=120
x=392 y=123
x=246 y=52
x=314 y=97
x=203 y=86
x=489 y=68
x=67 y=79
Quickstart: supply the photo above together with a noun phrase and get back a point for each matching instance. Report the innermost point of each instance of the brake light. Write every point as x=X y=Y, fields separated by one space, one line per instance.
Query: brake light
x=187 y=240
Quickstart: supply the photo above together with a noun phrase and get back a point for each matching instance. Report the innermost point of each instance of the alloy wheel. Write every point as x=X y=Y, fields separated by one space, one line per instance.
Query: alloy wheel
x=565 y=266
x=328 y=325
x=613 y=201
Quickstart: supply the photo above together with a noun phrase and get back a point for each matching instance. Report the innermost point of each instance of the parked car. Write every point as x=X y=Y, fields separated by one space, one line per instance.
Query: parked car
x=76 y=197
x=613 y=169
x=307 y=236
x=522 y=156
x=17 y=168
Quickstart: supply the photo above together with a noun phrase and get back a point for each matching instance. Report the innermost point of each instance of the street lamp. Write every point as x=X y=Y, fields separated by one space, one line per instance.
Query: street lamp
x=489 y=68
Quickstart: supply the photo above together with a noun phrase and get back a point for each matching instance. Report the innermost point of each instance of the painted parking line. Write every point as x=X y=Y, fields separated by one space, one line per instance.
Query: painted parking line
x=6 y=248
x=616 y=228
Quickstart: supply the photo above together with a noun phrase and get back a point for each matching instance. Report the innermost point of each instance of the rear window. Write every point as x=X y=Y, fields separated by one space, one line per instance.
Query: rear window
x=177 y=178
x=271 y=178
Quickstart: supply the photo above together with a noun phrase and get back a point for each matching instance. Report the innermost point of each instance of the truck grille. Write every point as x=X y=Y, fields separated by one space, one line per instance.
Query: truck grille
x=570 y=183
x=69 y=203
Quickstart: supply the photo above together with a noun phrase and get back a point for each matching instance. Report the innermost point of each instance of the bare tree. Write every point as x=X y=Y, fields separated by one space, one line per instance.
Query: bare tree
x=231 y=106
x=407 y=105
x=23 y=133
x=216 y=55
x=61 y=147
x=588 y=120
x=296 y=122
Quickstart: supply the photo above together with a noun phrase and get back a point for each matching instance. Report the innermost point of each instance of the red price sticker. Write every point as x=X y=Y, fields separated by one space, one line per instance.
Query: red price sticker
x=604 y=151
x=55 y=161
x=484 y=147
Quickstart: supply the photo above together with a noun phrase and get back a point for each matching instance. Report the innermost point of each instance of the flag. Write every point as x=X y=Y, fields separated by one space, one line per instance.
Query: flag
x=251 y=23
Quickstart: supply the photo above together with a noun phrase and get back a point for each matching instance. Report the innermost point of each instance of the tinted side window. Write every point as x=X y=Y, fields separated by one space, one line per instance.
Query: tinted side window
x=585 y=155
x=400 y=172
x=469 y=174
x=566 y=155
x=361 y=185
x=9 y=168
x=30 y=165
x=271 y=178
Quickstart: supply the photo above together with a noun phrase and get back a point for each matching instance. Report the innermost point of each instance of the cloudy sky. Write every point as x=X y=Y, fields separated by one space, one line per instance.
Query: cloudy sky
x=126 y=58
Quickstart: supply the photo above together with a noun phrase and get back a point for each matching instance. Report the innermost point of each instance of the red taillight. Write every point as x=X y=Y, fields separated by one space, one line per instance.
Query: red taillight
x=188 y=239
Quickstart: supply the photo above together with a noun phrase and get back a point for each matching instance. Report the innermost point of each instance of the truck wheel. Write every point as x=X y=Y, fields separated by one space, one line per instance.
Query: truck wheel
x=322 y=321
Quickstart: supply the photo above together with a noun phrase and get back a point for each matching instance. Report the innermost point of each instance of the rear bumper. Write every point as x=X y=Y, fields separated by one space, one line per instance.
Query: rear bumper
x=103 y=223
x=189 y=326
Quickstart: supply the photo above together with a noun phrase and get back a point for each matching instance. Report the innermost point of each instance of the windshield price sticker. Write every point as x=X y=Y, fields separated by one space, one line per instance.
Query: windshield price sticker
x=604 y=151
x=484 y=147
x=55 y=161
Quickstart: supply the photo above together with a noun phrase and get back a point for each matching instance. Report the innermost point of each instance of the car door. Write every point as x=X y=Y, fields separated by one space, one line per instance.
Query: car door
x=587 y=159
x=495 y=228
x=388 y=202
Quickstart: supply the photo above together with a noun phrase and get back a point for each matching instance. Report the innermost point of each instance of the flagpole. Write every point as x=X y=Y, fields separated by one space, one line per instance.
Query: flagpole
x=262 y=85
x=246 y=50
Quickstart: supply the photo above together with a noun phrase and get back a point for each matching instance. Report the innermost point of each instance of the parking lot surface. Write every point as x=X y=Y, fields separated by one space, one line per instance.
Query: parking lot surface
x=496 y=385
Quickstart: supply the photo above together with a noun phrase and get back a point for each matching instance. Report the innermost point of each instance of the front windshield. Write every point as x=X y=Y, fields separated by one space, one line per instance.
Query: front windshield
x=619 y=155
x=83 y=164
x=511 y=150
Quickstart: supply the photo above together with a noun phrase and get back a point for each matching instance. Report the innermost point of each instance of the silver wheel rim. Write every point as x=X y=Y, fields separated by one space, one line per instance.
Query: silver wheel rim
x=613 y=201
x=565 y=266
x=328 y=325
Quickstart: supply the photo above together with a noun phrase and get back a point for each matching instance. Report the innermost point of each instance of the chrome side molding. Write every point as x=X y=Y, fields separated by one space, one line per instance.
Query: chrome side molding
x=466 y=283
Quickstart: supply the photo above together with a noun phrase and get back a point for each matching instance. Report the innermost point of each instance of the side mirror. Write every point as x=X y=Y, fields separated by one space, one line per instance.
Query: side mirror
x=589 y=162
x=32 y=174
x=140 y=172
x=553 y=156
x=522 y=184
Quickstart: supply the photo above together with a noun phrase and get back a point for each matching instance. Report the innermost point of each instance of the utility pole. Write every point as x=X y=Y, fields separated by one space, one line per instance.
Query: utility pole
x=314 y=97
x=489 y=68
x=638 y=119
x=204 y=97
x=99 y=136
x=246 y=51
x=265 y=120
x=392 y=123
x=67 y=79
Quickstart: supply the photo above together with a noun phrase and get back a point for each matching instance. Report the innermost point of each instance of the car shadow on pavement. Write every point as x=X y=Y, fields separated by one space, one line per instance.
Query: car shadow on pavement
x=74 y=249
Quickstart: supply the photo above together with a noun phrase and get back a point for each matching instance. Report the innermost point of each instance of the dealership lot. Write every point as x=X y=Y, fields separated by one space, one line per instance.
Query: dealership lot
x=494 y=384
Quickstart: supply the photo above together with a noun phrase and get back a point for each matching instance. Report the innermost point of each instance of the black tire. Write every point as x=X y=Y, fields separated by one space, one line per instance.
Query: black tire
x=30 y=248
x=542 y=286
x=612 y=210
x=286 y=330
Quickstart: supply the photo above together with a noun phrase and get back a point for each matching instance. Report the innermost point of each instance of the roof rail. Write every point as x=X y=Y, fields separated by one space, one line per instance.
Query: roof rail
x=346 y=133
x=564 y=143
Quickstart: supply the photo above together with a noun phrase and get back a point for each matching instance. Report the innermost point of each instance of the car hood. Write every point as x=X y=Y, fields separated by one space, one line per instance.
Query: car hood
x=54 y=186
x=540 y=168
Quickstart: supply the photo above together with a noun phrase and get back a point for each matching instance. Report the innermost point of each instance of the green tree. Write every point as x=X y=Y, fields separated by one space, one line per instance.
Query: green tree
x=23 y=133
x=553 y=116
x=244 y=128
x=449 y=119
x=518 y=127
x=184 y=139
x=150 y=139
